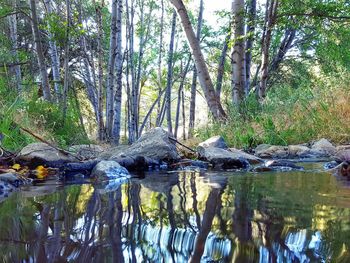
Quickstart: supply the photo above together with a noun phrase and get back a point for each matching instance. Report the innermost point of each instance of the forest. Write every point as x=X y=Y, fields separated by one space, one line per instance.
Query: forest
x=259 y=72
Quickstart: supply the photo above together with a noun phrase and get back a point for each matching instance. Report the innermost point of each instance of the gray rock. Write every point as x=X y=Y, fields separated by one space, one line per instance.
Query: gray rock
x=250 y=158
x=271 y=151
x=298 y=151
x=41 y=153
x=216 y=141
x=14 y=179
x=343 y=155
x=154 y=144
x=221 y=158
x=109 y=169
x=323 y=148
x=86 y=151
x=277 y=165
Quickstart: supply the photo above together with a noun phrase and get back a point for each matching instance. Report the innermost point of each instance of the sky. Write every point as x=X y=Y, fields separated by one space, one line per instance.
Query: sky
x=210 y=6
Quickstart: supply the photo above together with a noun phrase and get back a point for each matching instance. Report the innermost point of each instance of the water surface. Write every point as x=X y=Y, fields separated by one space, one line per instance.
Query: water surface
x=180 y=217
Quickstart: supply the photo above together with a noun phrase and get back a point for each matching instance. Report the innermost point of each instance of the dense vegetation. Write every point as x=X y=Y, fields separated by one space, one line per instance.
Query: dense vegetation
x=267 y=72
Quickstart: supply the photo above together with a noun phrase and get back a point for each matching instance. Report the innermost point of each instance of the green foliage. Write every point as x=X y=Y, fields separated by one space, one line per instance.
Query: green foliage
x=43 y=118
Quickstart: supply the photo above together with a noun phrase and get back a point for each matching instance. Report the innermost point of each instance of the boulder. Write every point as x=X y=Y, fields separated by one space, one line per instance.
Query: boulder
x=250 y=158
x=86 y=151
x=323 y=148
x=298 y=151
x=271 y=151
x=221 y=158
x=40 y=153
x=153 y=145
x=216 y=141
x=277 y=165
x=9 y=183
x=109 y=169
x=343 y=155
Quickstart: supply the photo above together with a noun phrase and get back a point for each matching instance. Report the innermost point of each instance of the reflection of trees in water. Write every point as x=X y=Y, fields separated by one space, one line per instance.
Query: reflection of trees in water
x=179 y=220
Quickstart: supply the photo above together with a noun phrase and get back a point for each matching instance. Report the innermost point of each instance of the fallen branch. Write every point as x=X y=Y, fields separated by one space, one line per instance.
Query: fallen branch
x=49 y=144
x=186 y=147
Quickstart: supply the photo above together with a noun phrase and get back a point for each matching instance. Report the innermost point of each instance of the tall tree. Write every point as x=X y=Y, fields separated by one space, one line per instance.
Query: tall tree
x=221 y=67
x=12 y=20
x=119 y=71
x=111 y=71
x=55 y=59
x=238 y=53
x=170 y=73
x=213 y=103
x=194 y=78
x=270 y=20
x=66 y=61
x=39 y=51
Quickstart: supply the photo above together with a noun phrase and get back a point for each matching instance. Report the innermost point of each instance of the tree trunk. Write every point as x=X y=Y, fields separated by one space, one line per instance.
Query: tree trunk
x=55 y=60
x=221 y=68
x=39 y=51
x=249 y=43
x=160 y=55
x=12 y=19
x=101 y=129
x=66 y=64
x=111 y=69
x=119 y=72
x=195 y=74
x=271 y=20
x=170 y=73
x=214 y=105
x=238 y=53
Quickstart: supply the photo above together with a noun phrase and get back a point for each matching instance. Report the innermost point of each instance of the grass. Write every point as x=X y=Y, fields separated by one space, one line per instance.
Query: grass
x=317 y=109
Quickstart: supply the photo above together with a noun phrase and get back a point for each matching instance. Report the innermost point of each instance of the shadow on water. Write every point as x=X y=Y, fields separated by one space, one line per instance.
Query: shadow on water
x=181 y=217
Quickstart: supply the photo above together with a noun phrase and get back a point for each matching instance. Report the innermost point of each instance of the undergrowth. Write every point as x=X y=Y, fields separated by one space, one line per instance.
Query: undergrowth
x=319 y=108
x=42 y=118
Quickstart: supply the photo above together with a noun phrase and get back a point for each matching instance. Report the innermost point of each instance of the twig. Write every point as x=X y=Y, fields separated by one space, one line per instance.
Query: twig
x=48 y=143
x=188 y=148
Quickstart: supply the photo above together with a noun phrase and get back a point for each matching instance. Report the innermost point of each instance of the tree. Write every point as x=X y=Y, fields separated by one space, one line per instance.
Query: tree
x=214 y=104
x=238 y=80
x=39 y=51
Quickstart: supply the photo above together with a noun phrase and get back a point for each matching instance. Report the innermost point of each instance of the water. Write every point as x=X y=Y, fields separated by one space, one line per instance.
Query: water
x=180 y=217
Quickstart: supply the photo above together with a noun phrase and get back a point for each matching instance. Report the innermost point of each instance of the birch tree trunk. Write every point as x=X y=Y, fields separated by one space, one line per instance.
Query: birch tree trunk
x=119 y=71
x=249 y=43
x=214 y=105
x=221 y=68
x=101 y=129
x=160 y=56
x=271 y=20
x=55 y=60
x=66 y=63
x=111 y=69
x=12 y=20
x=238 y=53
x=170 y=73
x=39 y=50
x=194 y=77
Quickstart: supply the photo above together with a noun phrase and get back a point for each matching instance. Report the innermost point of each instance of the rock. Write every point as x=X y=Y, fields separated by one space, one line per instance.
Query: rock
x=271 y=151
x=109 y=169
x=216 y=141
x=250 y=158
x=9 y=183
x=221 y=158
x=345 y=169
x=323 y=148
x=40 y=153
x=277 y=165
x=155 y=145
x=343 y=155
x=342 y=148
x=298 y=151
x=86 y=151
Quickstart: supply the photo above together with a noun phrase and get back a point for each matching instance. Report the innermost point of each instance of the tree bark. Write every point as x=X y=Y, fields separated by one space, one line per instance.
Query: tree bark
x=221 y=68
x=170 y=73
x=111 y=70
x=55 y=60
x=271 y=20
x=214 y=105
x=250 y=41
x=39 y=51
x=238 y=53
x=194 y=77
x=119 y=72
x=66 y=63
x=160 y=56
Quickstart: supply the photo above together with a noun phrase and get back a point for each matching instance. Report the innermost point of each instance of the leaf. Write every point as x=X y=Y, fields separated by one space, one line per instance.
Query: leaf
x=41 y=172
x=16 y=166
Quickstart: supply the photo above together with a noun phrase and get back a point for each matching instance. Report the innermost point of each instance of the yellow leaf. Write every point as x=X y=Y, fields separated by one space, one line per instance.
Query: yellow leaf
x=41 y=172
x=16 y=166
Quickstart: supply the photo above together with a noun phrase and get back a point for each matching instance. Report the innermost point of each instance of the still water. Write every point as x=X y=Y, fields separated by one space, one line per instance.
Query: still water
x=181 y=216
